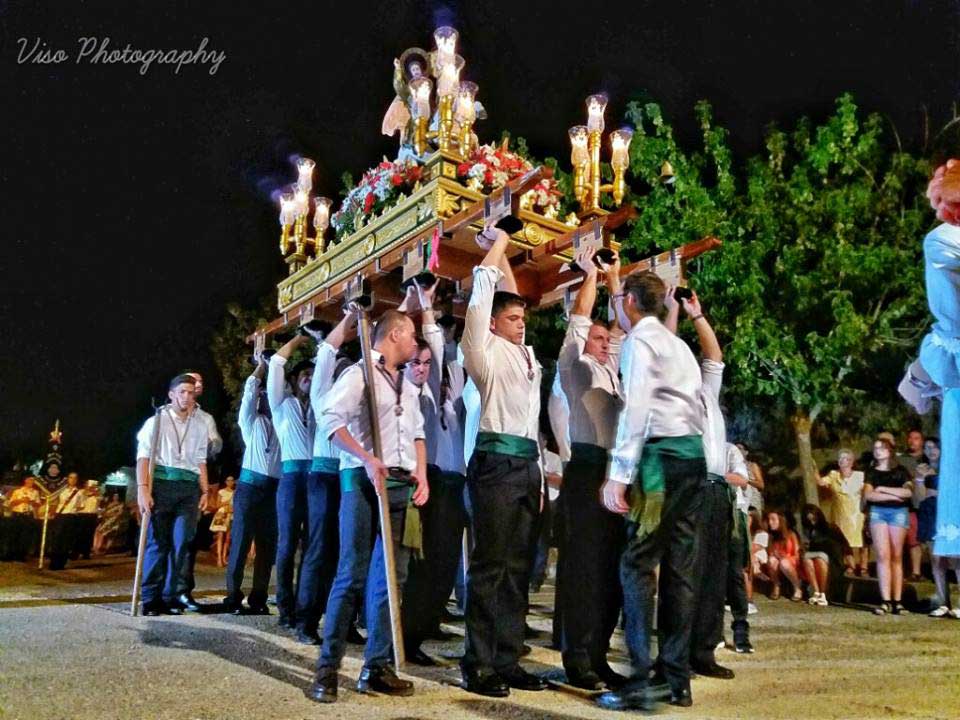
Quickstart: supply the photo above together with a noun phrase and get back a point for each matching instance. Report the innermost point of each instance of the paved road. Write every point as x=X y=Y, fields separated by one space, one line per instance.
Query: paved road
x=69 y=649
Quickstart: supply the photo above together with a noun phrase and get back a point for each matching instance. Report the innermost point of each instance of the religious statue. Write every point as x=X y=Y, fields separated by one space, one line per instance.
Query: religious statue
x=409 y=67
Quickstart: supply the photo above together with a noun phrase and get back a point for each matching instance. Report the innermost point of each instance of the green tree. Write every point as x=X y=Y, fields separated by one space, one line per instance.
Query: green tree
x=821 y=269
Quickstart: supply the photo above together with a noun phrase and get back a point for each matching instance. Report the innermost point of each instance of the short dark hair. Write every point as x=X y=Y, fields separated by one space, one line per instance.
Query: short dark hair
x=180 y=380
x=300 y=367
x=423 y=345
x=648 y=291
x=387 y=322
x=503 y=300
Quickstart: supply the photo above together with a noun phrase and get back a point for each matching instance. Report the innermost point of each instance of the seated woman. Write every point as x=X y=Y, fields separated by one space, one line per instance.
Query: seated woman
x=824 y=546
x=110 y=530
x=888 y=491
x=783 y=556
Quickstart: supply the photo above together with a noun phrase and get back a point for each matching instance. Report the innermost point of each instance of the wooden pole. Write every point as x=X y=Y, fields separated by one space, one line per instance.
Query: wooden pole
x=383 y=501
x=145 y=518
x=43 y=535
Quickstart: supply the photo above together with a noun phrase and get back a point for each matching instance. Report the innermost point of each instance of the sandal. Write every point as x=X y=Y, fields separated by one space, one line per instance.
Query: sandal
x=882 y=609
x=797 y=595
x=899 y=609
x=775 y=594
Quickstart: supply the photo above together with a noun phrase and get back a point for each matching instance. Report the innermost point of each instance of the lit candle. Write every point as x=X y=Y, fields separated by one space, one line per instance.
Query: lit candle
x=449 y=79
x=446 y=39
x=287 y=210
x=420 y=90
x=620 y=147
x=596 y=105
x=466 y=110
x=305 y=170
x=578 y=145
x=321 y=217
x=301 y=202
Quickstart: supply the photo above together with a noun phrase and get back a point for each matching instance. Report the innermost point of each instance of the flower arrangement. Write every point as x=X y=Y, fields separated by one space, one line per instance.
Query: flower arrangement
x=378 y=188
x=490 y=167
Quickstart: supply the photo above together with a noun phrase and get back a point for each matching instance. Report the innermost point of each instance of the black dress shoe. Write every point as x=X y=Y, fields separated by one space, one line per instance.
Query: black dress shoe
x=631 y=697
x=324 y=688
x=354 y=637
x=188 y=603
x=681 y=697
x=743 y=647
x=155 y=609
x=712 y=670
x=489 y=684
x=383 y=680
x=418 y=657
x=308 y=637
x=520 y=679
x=255 y=610
x=585 y=680
x=611 y=678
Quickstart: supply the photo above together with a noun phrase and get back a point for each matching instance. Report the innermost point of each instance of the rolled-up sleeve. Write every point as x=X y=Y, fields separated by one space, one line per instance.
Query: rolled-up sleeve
x=145 y=439
x=276 y=381
x=476 y=330
x=342 y=402
x=636 y=367
x=322 y=380
x=735 y=462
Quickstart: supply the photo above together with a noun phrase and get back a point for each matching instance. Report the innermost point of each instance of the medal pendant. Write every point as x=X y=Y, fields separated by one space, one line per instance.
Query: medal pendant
x=530 y=375
x=398 y=410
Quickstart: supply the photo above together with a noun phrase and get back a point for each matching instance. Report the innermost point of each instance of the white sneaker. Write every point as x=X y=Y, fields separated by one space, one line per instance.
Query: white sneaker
x=721 y=645
x=752 y=609
x=822 y=600
x=941 y=611
x=955 y=613
x=814 y=598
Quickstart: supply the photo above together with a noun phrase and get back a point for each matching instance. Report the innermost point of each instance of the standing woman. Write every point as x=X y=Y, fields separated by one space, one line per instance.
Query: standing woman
x=888 y=491
x=846 y=484
x=220 y=526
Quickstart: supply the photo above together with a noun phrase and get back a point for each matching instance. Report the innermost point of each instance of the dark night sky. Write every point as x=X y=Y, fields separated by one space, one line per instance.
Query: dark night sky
x=135 y=207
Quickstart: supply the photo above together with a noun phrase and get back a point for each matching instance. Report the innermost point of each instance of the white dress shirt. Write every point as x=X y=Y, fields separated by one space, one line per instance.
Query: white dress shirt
x=322 y=381
x=714 y=426
x=661 y=384
x=214 y=441
x=736 y=464
x=295 y=426
x=558 y=411
x=183 y=443
x=592 y=388
x=345 y=406
x=471 y=425
x=70 y=500
x=449 y=441
x=261 y=453
x=509 y=397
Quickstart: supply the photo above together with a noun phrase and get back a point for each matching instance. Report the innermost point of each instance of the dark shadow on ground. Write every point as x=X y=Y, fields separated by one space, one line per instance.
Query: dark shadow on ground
x=506 y=709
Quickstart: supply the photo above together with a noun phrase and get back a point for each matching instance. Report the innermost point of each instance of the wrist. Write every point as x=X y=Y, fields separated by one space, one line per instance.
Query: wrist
x=698 y=316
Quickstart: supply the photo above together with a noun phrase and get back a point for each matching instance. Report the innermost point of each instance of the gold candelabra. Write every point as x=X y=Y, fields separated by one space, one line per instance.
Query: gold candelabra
x=295 y=243
x=585 y=141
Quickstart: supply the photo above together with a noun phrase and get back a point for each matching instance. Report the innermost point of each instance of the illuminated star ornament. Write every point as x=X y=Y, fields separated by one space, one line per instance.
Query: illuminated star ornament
x=55 y=435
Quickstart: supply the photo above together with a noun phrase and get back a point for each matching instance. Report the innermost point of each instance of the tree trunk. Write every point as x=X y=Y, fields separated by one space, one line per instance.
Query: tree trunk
x=808 y=470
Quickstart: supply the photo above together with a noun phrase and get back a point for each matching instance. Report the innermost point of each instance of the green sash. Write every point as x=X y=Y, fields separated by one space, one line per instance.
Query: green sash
x=351 y=479
x=331 y=466
x=295 y=466
x=164 y=472
x=252 y=477
x=507 y=445
x=646 y=501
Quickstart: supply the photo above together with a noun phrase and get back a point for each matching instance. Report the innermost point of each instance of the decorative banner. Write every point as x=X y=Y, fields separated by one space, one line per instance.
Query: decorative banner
x=306 y=313
x=433 y=263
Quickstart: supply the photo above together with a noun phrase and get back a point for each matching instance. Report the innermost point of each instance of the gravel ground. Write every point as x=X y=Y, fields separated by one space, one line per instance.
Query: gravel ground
x=69 y=649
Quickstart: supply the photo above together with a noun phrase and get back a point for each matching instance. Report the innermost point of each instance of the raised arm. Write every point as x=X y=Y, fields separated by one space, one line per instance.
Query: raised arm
x=276 y=381
x=587 y=294
x=476 y=331
x=326 y=361
x=709 y=347
x=248 y=403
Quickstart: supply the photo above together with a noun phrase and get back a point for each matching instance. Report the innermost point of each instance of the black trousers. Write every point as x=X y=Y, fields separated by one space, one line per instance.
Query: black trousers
x=504 y=495
x=716 y=525
x=321 y=549
x=254 y=520
x=674 y=545
x=589 y=596
x=432 y=577
x=736 y=582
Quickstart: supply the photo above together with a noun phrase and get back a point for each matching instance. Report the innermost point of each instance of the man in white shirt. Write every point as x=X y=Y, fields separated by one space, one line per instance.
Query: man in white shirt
x=320 y=555
x=659 y=450
x=62 y=531
x=177 y=493
x=504 y=481
x=345 y=419
x=431 y=577
x=294 y=423
x=214 y=445
x=588 y=566
x=255 y=499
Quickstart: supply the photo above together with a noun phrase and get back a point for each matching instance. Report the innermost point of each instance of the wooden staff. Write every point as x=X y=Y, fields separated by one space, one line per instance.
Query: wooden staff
x=43 y=535
x=386 y=535
x=145 y=517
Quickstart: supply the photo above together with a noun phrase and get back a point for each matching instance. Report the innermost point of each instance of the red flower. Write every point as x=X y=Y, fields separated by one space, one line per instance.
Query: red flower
x=414 y=173
x=397 y=180
x=463 y=168
x=488 y=177
x=368 y=203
